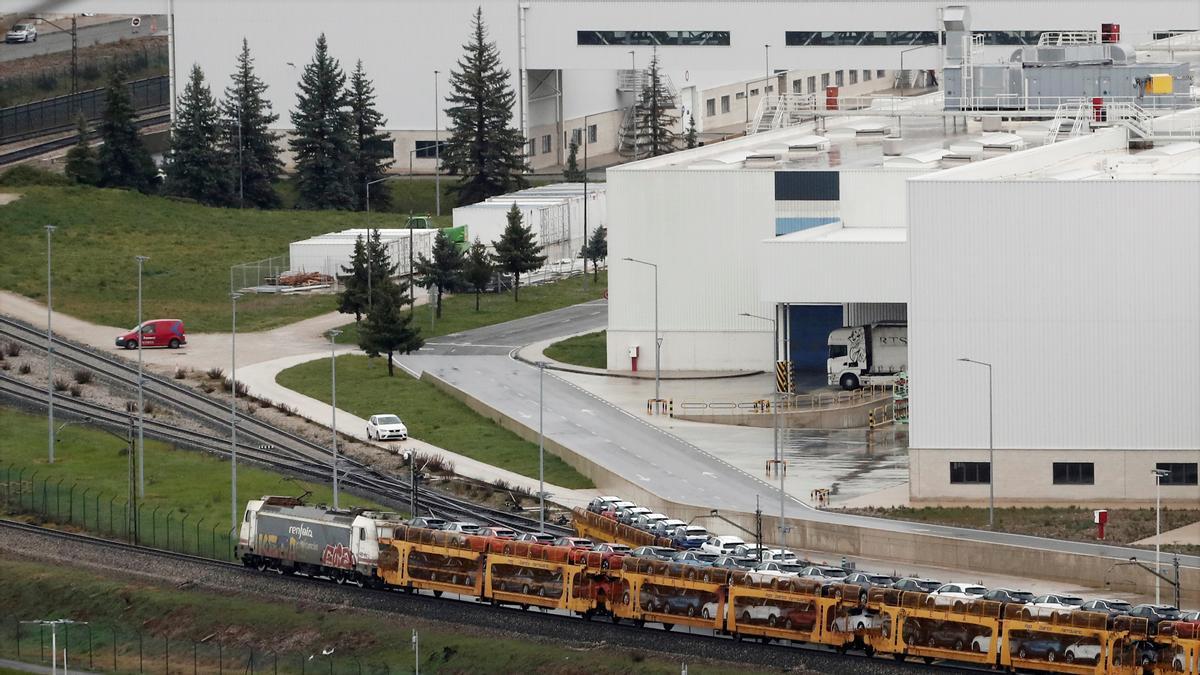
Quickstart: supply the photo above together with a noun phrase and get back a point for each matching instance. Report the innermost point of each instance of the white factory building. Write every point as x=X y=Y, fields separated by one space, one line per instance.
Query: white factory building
x=1060 y=249
x=575 y=64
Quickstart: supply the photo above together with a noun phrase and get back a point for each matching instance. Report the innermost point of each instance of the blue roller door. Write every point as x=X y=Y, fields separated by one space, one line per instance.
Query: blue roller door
x=810 y=327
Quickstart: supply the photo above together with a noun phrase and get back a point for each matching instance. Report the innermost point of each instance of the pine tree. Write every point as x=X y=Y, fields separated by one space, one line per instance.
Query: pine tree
x=596 y=249
x=444 y=271
x=124 y=160
x=516 y=252
x=353 y=300
x=370 y=152
x=483 y=148
x=691 y=138
x=196 y=165
x=654 y=114
x=81 y=159
x=572 y=173
x=477 y=269
x=321 y=141
x=381 y=271
x=248 y=118
x=387 y=329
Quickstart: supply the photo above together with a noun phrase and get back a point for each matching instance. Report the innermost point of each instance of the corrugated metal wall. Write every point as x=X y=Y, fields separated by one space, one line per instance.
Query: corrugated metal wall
x=1085 y=297
x=863 y=313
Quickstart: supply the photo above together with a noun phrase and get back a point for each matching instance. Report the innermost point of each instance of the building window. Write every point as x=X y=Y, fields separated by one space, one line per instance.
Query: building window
x=812 y=84
x=866 y=76
x=754 y=92
x=725 y=103
x=970 y=472
x=824 y=80
x=1161 y=34
x=768 y=89
x=1177 y=473
x=854 y=77
x=880 y=73
x=545 y=144
x=659 y=38
x=427 y=149
x=577 y=136
x=839 y=78
x=710 y=107
x=796 y=38
x=739 y=96
x=1074 y=473
x=592 y=133
x=797 y=86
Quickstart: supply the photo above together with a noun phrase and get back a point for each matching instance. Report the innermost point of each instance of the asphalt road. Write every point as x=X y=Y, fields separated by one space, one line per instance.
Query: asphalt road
x=60 y=41
x=477 y=362
x=502 y=338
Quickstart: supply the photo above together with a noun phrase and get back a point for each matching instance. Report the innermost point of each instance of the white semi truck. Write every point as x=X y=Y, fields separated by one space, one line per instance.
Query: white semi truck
x=865 y=355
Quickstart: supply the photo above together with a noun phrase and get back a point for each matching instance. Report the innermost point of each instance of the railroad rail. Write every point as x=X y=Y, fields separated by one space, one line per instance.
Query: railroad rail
x=37 y=149
x=544 y=623
x=265 y=443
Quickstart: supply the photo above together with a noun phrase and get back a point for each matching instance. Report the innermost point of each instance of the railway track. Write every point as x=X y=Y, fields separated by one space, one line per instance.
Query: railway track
x=468 y=611
x=264 y=443
x=60 y=143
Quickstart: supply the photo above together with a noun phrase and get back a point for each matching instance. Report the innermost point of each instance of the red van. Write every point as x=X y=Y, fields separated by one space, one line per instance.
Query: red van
x=155 y=333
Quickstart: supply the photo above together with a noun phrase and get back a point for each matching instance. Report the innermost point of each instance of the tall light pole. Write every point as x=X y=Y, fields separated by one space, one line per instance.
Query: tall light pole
x=767 y=59
x=1159 y=474
x=370 y=293
x=991 y=447
x=141 y=261
x=437 y=156
x=637 y=96
x=50 y=340
x=233 y=499
x=585 y=200
x=541 y=447
x=776 y=450
x=657 y=339
x=333 y=333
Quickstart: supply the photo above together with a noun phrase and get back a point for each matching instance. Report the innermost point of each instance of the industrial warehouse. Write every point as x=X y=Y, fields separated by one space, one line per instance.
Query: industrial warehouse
x=1029 y=252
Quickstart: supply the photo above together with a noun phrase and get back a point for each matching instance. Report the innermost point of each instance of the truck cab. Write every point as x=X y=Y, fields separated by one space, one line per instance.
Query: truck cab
x=865 y=355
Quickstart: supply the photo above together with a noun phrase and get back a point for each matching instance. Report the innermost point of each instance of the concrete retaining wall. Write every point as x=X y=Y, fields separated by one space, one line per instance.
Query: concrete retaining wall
x=910 y=548
x=841 y=417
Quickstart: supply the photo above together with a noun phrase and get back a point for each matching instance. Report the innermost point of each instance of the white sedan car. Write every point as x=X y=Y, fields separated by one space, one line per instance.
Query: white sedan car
x=954 y=594
x=386 y=428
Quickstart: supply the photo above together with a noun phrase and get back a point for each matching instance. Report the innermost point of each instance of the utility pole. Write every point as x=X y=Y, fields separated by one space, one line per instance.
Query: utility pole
x=141 y=461
x=541 y=447
x=50 y=339
x=637 y=96
x=437 y=152
x=333 y=333
x=585 y=201
x=233 y=499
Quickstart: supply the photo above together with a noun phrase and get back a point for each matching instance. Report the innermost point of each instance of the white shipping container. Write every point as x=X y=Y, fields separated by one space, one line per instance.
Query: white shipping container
x=329 y=253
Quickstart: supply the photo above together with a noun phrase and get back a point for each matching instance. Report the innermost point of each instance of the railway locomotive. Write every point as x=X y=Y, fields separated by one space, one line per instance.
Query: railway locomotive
x=376 y=549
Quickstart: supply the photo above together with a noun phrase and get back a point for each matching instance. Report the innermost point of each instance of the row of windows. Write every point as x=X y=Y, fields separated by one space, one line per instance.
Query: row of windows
x=430 y=149
x=1072 y=473
x=577 y=135
x=798 y=87
x=661 y=38
x=812 y=38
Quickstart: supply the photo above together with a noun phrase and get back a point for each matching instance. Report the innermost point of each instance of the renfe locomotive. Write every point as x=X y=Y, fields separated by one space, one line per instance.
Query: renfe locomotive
x=376 y=549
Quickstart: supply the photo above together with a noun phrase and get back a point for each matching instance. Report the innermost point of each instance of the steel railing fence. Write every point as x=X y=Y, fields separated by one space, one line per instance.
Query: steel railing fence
x=62 y=112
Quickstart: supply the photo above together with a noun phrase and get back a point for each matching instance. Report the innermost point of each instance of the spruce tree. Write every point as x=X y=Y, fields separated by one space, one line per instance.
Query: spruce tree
x=353 y=300
x=516 y=252
x=124 y=160
x=196 y=165
x=596 y=249
x=387 y=329
x=248 y=118
x=483 y=149
x=477 y=269
x=572 y=173
x=321 y=142
x=443 y=271
x=370 y=153
x=81 y=159
x=380 y=269
x=654 y=114
x=691 y=137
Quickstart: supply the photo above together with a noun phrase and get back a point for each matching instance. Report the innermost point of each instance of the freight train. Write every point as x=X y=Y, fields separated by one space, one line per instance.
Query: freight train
x=376 y=549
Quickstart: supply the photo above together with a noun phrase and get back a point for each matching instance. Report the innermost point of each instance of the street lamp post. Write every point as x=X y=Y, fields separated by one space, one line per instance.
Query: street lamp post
x=233 y=499
x=370 y=293
x=1159 y=474
x=637 y=95
x=991 y=447
x=657 y=339
x=50 y=340
x=141 y=453
x=585 y=200
x=541 y=447
x=776 y=449
x=333 y=333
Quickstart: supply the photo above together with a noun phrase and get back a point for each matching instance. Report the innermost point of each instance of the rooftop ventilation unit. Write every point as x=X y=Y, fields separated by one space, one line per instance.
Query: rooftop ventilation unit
x=870 y=128
x=921 y=158
x=761 y=160
x=807 y=146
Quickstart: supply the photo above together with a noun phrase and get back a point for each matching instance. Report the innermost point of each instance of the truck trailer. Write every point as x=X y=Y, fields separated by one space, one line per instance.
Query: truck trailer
x=286 y=535
x=867 y=355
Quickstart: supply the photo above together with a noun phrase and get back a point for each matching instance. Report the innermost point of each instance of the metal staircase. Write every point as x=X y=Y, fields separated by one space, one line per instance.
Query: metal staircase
x=1075 y=112
x=782 y=111
x=1133 y=117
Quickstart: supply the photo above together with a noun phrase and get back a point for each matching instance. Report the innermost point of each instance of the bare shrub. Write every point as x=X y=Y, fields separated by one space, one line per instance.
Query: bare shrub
x=76 y=390
x=181 y=373
x=25 y=369
x=83 y=376
x=214 y=373
x=60 y=384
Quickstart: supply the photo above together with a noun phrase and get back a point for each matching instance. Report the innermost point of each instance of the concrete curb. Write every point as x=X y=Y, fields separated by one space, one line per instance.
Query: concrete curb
x=539 y=349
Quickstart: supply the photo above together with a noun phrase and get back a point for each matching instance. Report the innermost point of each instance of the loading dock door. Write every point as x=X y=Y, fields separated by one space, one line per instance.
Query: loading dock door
x=810 y=326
